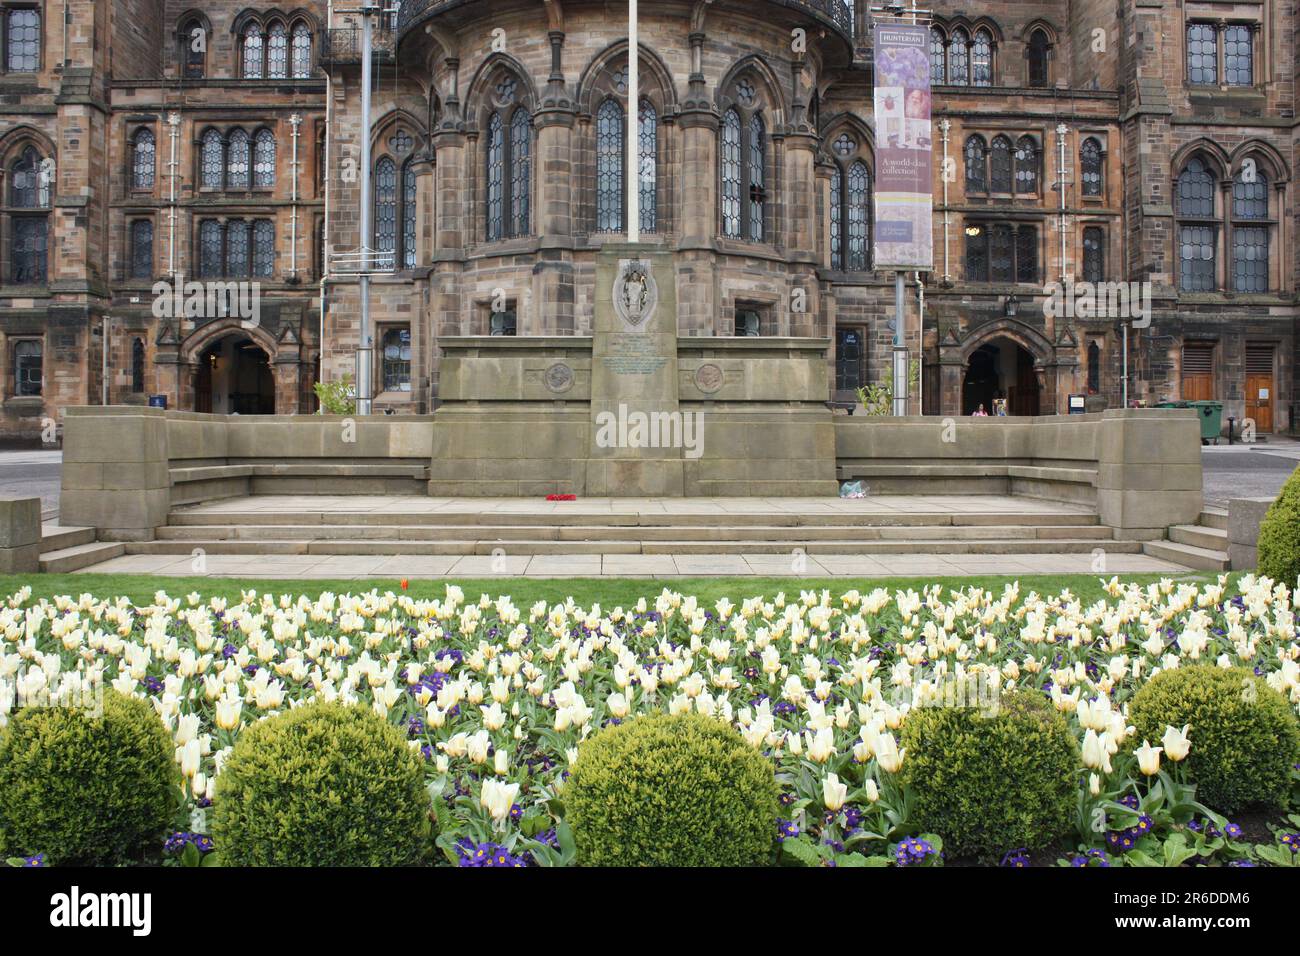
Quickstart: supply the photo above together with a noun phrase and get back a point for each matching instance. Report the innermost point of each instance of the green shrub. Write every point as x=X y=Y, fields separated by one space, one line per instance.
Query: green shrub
x=322 y=785
x=87 y=790
x=671 y=791
x=1279 y=535
x=1244 y=734
x=989 y=782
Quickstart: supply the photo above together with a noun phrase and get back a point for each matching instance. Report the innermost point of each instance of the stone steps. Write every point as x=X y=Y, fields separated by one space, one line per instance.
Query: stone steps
x=65 y=560
x=1216 y=518
x=521 y=547
x=1208 y=539
x=578 y=533
x=55 y=537
x=1201 y=559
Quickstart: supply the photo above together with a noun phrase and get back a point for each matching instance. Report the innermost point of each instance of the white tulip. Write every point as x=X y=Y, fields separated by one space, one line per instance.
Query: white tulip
x=834 y=793
x=1148 y=758
x=1177 y=743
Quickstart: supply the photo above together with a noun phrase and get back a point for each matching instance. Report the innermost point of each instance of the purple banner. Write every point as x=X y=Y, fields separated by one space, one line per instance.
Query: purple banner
x=904 y=236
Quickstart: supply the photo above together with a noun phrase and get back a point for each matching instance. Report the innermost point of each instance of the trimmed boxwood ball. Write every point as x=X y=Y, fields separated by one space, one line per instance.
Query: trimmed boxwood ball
x=684 y=790
x=991 y=781
x=322 y=785
x=1279 y=535
x=1244 y=734
x=84 y=789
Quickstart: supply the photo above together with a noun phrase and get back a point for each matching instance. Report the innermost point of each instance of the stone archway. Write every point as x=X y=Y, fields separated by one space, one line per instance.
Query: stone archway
x=1003 y=359
x=228 y=367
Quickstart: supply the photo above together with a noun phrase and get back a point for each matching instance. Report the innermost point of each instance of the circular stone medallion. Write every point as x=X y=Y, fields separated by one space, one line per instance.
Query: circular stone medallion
x=708 y=378
x=558 y=378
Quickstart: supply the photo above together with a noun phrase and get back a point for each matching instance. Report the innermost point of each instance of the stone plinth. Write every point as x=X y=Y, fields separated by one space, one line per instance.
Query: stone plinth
x=115 y=471
x=1245 y=515
x=20 y=535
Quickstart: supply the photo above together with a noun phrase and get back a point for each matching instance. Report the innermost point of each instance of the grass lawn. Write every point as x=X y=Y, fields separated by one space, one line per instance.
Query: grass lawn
x=608 y=592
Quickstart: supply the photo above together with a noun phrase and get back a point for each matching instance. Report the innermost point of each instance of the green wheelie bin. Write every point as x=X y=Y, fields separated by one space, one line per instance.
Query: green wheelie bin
x=1211 y=414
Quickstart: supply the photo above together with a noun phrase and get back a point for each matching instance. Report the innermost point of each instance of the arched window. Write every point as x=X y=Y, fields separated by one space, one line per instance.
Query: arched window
x=277 y=52
x=731 y=174
x=1197 y=229
x=648 y=168
x=263 y=248
x=237 y=160
x=142 y=249
x=938 y=53
x=757 y=177
x=609 y=166
x=850 y=208
x=396 y=370
x=408 y=260
x=142 y=159
x=981 y=62
x=1094 y=254
x=1036 y=54
x=301 y=51
x=1027 y=158
x=212 y=161
x=1000 y=165
x=194 y=49
x=22 y=40
x=252 y=52
x=385 y=210
x=509 y=166
x=1090 y=166
x=137 y=366
x=1094 y=368
x=28 y=372
x=264 y=159
x=28 y=226
x=1250 y=231
x=959 y=58
x=977 y=183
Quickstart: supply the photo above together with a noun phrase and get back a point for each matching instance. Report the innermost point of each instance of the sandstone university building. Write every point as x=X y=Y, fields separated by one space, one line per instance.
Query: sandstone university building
x=1088 y=140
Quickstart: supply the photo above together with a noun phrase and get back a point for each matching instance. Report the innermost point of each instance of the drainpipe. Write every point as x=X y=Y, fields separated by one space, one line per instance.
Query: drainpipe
x=920 y=340
x=944 y=126
x=325 y=228
x=1061 y=132
x=295 y=121
x=174 y=125
x=103 y=374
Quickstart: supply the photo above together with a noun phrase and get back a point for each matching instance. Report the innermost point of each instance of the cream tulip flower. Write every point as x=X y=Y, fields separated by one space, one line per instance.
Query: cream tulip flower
x=872 y=791
x=1148 y=758
x=834 y=793
x=888 y=755
x=498 y=798
x=1177 y=743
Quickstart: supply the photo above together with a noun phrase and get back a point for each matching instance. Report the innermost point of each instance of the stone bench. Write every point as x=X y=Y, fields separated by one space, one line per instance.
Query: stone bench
x=1066 y=482
x=193 y=483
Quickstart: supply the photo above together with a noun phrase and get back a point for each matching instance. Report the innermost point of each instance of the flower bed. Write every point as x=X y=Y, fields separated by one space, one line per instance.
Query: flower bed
x=498 y=699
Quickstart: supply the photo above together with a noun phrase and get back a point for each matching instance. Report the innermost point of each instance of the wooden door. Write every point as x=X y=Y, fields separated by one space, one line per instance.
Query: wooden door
x=1260 y=391
x=1198 y=371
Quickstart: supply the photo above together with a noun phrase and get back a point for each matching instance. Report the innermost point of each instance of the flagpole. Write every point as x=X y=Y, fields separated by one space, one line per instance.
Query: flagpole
x=633 y=152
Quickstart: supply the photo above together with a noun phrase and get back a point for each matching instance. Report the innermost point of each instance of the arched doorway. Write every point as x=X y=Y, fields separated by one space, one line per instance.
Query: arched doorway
x=233 y=377
x=1000 y=369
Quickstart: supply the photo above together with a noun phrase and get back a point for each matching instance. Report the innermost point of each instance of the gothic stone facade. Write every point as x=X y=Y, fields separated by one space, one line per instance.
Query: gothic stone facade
x=1071 y=144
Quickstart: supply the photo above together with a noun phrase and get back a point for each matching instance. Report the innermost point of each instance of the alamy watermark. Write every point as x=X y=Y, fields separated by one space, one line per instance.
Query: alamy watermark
x=208 y=300
x=1100 y=300
x=630 y=429
x=30 y=687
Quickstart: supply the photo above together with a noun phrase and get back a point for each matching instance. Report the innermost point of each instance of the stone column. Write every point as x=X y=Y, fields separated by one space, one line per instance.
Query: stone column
x=20 y=535
x=115 y=474
x=554 y=280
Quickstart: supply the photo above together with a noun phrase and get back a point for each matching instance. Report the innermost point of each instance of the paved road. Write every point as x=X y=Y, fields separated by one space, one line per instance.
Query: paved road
x=26 y=474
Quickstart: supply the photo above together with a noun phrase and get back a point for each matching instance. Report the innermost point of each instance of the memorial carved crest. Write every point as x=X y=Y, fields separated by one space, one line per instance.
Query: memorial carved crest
x=635 y=292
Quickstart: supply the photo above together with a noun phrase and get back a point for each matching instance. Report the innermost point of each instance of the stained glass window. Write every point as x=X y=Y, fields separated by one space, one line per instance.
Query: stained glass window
x=495 y=178
x=1094 y=254
x=301 y=51
x=959 y=58
x=1090 y=166
x=385 y=208
x=648 y=170
x=981 y=72
x=1202 y=54
x=757 y=177
x=142 y=249
x=609 y=167
x=264 y=159
x=1238 y=55
x=277 y=52
x=977 y=254
x=520 y=148
x=1026 y=165
x=1001 y=254
x=1196 y=190
x=25 y=180
x=1250 y=259
x=859 y=216
x=938 y=48
x=1196 y=247
x=263 y=248
x=408 y=216
x=837 y=220
x=142 y=159
x=253 y=52
x=1000 y=165
x=23 y=33
x=237 y=160
x=236 y=248
x=976 y=166
x=29 y=263
x=1250 y=198
x=209 y=249
x=212 y=161
x=731 y=174
x=397 y=360
x=1026 y=254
